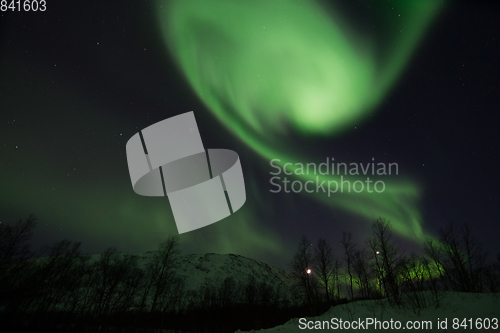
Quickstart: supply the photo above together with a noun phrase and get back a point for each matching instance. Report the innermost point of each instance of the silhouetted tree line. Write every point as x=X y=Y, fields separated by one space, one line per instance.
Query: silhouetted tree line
x=59 y=289
x=455 y=261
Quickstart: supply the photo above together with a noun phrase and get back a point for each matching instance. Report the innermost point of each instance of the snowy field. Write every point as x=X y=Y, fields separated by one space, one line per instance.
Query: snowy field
x=460 y=311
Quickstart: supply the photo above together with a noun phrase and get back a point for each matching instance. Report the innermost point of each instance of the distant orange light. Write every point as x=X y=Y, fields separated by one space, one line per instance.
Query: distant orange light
x=308 y=271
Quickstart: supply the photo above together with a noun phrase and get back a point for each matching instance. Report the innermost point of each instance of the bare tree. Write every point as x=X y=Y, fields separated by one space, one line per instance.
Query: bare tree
x=14 y=240
x=54 y=278
x=455 y=263
x=433 y=281
x=362 y=271
x=250 y=290
x=413 y=276
x=387 y=257
x=349 y=248
x=301 y=266
x=324 y=265
x=433 y=250
x=476 y=259
x=14 y=268
x=161 y=273
x=337 y=265
x=227 y=292
x=459 y=259
x=105 y=278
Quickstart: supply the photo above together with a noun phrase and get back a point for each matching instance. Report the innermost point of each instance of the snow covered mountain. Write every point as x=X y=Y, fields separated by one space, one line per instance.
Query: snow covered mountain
x=210 y=269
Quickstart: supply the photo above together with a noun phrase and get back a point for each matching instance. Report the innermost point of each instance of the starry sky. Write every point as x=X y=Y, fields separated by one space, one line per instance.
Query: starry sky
x=415 y=83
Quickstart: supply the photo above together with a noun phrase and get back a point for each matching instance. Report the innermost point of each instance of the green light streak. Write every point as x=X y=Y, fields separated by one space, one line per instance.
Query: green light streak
x=90 y=199
x=263 y=67
x=285 y=60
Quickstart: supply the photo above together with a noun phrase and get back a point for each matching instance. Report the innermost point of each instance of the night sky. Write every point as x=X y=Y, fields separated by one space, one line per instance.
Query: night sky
x=415 y=83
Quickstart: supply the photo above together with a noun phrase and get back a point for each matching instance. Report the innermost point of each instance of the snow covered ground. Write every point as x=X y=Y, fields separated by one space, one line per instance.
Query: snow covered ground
x=462 y=312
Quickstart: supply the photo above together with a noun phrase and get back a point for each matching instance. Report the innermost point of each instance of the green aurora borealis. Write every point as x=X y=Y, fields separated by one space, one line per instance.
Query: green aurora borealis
x=412 y=82
x=267 y=67
x=72 y=175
